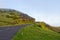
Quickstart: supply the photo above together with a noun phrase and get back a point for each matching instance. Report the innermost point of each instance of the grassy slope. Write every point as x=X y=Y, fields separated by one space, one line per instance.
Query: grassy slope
x=36 y=33
x=4 y=20
x=12 y=17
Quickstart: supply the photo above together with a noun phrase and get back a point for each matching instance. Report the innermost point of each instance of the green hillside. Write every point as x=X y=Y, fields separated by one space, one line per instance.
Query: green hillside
x=14 y=17
x=35 y=32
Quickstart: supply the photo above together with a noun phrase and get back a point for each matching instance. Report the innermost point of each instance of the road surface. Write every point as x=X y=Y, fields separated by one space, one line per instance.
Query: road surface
x=6 y=33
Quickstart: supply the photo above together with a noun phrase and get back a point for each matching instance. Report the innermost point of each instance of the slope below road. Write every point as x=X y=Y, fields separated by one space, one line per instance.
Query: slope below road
x=6 y=33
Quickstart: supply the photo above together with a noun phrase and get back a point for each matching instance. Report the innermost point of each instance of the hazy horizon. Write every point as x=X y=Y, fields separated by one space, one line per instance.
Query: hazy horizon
x=42 y=10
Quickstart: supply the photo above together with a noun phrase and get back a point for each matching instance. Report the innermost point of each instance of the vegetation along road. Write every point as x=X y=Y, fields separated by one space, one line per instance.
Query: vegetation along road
x=6 y=33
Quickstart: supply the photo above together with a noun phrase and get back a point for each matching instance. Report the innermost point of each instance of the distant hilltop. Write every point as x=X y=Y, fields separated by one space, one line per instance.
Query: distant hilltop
x=12 y=17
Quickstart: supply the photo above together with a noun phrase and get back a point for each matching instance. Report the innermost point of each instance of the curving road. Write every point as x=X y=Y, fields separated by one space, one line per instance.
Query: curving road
x=6 y=33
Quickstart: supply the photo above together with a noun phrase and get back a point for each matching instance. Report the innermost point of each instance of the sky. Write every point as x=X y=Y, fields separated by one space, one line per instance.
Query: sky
x=42 y=10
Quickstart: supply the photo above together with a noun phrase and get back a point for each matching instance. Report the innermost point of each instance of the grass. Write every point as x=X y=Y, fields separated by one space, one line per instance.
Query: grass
x=5 y=20
x=36 y=33
x=10 y=17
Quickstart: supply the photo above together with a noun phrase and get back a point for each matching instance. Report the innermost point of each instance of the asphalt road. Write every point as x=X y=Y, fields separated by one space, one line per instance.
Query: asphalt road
x=6 y=33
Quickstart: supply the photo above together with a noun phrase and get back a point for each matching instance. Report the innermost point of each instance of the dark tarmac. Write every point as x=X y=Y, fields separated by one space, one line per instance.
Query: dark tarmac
x=7 y=33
